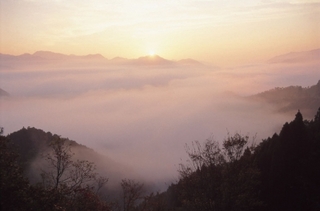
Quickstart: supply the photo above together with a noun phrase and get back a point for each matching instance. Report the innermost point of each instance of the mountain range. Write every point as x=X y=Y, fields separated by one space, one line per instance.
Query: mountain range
x=47 y=56
x=292 y=57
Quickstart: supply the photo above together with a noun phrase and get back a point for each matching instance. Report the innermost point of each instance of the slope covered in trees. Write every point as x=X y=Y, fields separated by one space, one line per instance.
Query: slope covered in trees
x=289 y=166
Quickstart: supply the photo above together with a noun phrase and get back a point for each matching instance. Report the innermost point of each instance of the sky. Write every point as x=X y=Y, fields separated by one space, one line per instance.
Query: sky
x=213 y=31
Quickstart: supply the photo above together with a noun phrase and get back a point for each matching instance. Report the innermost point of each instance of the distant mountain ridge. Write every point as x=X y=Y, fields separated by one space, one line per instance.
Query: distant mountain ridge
x=295 y=57
x=189 y=61
x=48 y=55
x=292 y=98
x=292 y=57
x=150 y=60
x=154 y=60
x=52 y=55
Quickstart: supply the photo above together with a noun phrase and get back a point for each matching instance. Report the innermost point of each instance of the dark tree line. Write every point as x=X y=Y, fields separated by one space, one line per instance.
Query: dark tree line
x=289 y=163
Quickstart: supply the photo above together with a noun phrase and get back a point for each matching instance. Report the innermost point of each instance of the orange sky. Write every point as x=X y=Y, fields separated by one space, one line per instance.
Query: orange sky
x=219 y=32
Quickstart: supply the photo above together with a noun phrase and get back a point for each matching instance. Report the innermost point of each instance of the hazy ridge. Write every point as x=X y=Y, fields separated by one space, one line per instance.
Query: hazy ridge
x=292 y=98
x=296 y=57
x=48 y=56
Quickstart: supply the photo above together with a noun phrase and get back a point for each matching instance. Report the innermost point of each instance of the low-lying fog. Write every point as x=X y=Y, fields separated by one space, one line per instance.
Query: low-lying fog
x=143 y=116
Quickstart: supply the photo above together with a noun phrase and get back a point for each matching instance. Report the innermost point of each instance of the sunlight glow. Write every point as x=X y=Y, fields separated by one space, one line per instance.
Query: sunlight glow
x=151 y=53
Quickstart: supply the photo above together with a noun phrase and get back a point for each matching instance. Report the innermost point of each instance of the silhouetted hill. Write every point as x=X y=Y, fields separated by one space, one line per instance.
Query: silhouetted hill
x=119 y=59
x=156 y=60
x=50 y=55
x=32 y=143
x=94 y=56
x=189 y=62
x=151 y=60
x=292 y=98
x=295 y=57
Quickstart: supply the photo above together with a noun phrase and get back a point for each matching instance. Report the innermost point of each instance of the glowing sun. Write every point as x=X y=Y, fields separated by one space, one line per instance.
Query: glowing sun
x=151 y=53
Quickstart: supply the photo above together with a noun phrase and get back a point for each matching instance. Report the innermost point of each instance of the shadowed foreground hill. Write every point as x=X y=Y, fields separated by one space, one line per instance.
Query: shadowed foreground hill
x=292 y=98
x=32 y=143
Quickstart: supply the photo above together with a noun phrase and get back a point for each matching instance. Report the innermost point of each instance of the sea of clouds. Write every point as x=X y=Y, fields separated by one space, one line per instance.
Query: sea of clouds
x=143 y=115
